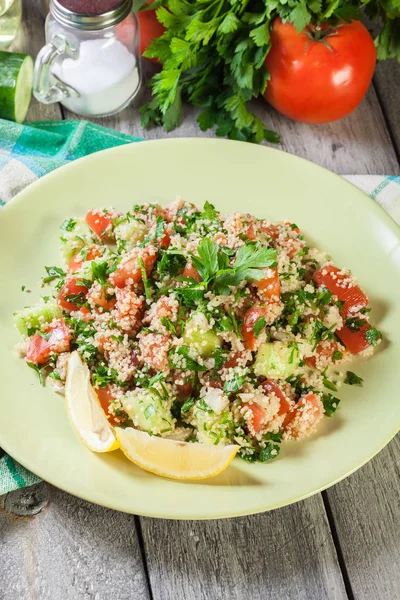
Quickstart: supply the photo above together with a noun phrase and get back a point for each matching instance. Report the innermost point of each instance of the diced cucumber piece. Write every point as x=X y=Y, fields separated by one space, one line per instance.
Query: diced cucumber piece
x=34 y=317
x=79 y=236
x=212 y=428
x=198 y=335
x=277 y=360
x=16 y=76
x=132 y=233
x=85 y=271
x=148 y=411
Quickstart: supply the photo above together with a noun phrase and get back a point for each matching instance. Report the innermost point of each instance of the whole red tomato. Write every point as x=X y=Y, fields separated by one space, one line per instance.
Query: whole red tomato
x=319 y=81
x=150 y=29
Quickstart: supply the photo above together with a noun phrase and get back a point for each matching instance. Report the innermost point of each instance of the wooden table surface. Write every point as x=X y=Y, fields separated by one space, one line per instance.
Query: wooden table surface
x=343 y=543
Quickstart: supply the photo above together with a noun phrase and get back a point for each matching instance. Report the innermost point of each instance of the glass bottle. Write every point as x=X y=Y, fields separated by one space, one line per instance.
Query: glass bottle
x=10 y=20
x=91 y=61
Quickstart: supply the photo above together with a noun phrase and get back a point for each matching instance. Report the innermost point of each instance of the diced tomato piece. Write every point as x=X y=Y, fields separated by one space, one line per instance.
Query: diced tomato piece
x=289 y=417
x=58 y=340
x=100 y=223
x=159 y=211
x=76 y=261
x=85 y=314
x=190 y=271
x=309 y=399
x=165 y=240
x=233 y=360
x=250 y=318
x=128 y=310
x=70 y=288
x=38 y=350
x=257 y=418
x=250 y=232
x=211 y=381
x=268 y=387
x=354 y=341
x=129 y=269
x=353 y=297
x=106 y=397
x=271 y=230
x=183 y=389
x=269 y=288
x=324 y=352
x=154 y=348
x=292 y=227
x=99 y=297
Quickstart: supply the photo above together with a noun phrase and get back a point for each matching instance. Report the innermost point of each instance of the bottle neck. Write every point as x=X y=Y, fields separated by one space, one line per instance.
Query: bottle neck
x=90 y=22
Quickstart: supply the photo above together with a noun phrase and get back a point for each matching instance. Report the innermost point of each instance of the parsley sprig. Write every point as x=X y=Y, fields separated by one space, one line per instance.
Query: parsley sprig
x=213 y=265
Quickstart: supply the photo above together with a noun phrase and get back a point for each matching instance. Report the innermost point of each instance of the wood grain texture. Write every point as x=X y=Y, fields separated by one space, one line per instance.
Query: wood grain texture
x=285 y=554
x=360 y=143
x=387 y=83
x=73 y=550
x=77 y=551
x=366 y=510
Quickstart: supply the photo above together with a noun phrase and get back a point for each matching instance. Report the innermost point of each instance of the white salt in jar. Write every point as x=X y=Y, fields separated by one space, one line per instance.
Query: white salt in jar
x=91 y=62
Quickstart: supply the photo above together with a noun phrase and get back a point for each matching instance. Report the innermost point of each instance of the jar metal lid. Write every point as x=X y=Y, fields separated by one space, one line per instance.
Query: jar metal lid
x=90 y=22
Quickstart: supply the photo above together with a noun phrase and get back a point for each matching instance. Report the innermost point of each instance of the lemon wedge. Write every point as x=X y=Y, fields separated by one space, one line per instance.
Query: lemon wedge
x=84 y=409
x=173 y=459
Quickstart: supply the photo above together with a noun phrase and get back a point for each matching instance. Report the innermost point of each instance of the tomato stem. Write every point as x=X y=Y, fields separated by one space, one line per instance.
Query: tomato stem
x=317 y=34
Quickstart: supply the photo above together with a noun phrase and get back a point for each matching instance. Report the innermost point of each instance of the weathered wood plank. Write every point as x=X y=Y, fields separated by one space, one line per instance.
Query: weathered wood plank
x=360 y=143
x=287 y=553
x=72 y=550
x=387 y=83
x=366 y=511
x=76 y=550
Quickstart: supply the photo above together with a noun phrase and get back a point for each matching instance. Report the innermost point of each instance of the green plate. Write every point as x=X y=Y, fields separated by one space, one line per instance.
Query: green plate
x=337 y=217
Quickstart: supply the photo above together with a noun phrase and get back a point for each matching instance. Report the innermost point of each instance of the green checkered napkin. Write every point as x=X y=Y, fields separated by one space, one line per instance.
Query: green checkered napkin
x=28 y=152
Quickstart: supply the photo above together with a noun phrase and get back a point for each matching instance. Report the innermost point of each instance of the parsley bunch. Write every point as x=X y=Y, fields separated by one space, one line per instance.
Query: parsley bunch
x=213 y=51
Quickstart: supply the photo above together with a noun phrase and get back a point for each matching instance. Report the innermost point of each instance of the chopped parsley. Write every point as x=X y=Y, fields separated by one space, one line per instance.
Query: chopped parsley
x=355 y=324
x=78 y=299
x=233 y=385
x=68 y=225
x=53 y=273
x=180 y=359
x=100 y=272
x=373 y=336
x=187 y=405
x=171 y=263
x=209 y=212
x=145 y=279
x=259 y=326
x=168 y=324
x=330 y=404
x=329 y=384
x=39 y=371
x=201 y=404
x=353 y=379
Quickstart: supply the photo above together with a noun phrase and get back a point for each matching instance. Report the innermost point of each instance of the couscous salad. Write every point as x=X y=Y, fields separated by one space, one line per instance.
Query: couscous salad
x=198 y=327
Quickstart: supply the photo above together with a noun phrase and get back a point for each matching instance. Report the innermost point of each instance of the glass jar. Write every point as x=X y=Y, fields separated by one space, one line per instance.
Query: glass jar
x=10 y=20
x=91 y=61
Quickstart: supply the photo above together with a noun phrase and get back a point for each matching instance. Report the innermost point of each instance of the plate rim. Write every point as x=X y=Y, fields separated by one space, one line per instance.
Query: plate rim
x=376 y=207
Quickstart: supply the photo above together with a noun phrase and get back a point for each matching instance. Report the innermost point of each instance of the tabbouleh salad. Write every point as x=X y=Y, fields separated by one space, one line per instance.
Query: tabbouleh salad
x=199 y=326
